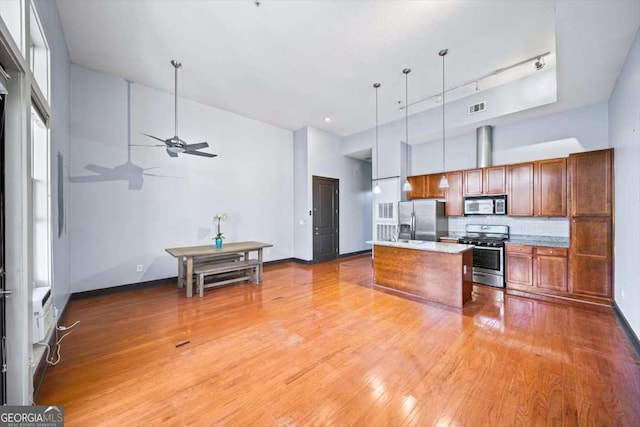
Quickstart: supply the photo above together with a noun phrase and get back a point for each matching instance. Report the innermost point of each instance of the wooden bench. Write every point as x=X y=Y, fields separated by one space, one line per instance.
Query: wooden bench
x=218 y=268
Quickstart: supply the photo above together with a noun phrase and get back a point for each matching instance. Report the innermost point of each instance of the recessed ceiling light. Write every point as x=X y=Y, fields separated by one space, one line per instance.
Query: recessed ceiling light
x=327 y=119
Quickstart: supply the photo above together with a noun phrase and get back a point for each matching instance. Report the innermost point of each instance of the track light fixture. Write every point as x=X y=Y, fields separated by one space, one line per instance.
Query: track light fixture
x=539 y=64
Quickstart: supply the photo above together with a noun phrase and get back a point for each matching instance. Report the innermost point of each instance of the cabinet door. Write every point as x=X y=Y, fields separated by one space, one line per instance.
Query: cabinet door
x=495 y=180
x=520 y=196
x=433 y=186
x=551 y=188
x=473 y=182
x=418 y=190
x=591 y=183
x=453 y=194
x=519 y=269
x=551 y=272
x=590 y=256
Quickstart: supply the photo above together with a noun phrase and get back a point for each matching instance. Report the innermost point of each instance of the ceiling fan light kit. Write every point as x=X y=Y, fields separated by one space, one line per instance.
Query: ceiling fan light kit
x=175 y=145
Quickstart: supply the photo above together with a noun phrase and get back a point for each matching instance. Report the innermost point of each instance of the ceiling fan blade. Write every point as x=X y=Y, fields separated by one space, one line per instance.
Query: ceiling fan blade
x=171 y=153
x=146 y=145
x=193 y=147
x=98 y=169
x=155 y=137
x=200 y=153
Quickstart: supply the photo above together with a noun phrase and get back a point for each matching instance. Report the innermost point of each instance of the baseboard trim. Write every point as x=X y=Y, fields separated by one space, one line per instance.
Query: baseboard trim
x=347 y=255
x=366 y=251
x=173 y=280
x=123 y=288
x=631 y=336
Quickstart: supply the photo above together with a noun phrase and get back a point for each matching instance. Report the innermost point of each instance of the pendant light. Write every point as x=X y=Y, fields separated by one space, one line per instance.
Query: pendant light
x=444 y=182
x=376 y=188
x=407 y=185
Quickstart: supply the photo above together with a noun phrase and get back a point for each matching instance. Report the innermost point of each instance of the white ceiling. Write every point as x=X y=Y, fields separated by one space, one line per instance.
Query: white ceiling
x=292 y=63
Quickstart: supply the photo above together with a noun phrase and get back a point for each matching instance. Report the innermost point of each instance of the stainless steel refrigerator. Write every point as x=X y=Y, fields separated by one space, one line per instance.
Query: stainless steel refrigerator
x=422 y=220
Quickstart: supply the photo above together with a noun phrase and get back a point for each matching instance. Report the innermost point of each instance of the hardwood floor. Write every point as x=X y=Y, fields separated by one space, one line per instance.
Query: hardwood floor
x=317 y=345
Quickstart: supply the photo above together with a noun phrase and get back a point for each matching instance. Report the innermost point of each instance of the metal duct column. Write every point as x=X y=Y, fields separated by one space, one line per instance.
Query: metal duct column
x=484 y=142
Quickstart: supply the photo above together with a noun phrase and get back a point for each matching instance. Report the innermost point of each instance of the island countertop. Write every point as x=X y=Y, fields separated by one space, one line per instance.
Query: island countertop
x=449 y=248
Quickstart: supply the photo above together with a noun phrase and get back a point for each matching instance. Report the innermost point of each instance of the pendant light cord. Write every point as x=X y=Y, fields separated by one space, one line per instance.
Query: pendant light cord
x=377 y=85
x=443 y=129
x=406 y=72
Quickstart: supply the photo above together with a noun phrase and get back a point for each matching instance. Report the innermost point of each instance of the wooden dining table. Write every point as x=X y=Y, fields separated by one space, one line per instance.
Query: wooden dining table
x=187 y=255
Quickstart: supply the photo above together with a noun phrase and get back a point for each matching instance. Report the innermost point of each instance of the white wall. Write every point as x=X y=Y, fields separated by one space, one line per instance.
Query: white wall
x=113 y=229
x=624 y=134
x=59 y=140
x=546 y=137
x=325 y=159
x=302 y=234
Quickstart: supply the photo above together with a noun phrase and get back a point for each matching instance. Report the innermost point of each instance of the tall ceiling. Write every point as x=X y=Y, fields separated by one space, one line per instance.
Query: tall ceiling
x=293 y=63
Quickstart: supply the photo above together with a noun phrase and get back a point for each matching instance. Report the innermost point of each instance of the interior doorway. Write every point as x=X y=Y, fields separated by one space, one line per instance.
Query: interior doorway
x=326 y=219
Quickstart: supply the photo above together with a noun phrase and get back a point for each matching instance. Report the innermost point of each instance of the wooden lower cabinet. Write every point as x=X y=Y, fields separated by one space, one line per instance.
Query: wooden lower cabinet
x=591 y=257
x=551 y=269
x=536 y=269
x=519 y=268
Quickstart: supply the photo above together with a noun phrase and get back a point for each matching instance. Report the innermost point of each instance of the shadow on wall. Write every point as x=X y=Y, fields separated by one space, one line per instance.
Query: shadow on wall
x=539 y=151
x=128 y=171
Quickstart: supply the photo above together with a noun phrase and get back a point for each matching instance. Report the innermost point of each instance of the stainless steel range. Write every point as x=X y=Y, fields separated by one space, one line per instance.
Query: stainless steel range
x=488 y=254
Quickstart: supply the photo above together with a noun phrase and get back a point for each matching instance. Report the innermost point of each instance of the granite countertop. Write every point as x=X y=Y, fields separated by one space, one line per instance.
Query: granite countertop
x=450 y=248
x=552 y=241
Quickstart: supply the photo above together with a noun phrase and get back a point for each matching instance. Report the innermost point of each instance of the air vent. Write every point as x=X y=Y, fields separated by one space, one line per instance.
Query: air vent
x=476 y=108
x=385 y=210
x=385 y=231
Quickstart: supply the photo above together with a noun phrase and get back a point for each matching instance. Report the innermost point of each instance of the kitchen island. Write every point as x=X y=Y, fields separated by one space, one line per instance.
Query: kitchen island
x=440 y=272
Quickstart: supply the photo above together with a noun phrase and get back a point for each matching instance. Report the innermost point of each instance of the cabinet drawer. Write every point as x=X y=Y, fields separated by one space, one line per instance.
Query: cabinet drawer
x=522 y=249
x=545 y=250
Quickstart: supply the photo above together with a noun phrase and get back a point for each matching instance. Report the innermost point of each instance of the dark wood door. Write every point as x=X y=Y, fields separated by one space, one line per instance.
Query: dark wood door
x=454 y=200
x=551 y=187
x=495 y=180
x=591 y=183
x=473 y=182
x=520 y=196
x=326 y=218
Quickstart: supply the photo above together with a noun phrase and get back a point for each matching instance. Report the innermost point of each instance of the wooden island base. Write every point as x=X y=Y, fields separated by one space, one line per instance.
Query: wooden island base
x=446 y=278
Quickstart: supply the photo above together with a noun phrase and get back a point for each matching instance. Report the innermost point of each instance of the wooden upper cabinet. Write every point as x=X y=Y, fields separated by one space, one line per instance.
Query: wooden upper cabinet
x=520 y=196
x=473 y=182
x=491 y=180
x=418 y=188
x=551 y=187
x=591 y=183
x=453 y=194
x=432 y=184
x=426 y=187
x=495 y=180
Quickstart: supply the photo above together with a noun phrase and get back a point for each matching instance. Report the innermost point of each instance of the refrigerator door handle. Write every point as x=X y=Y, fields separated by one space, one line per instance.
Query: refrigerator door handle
x=413 y=225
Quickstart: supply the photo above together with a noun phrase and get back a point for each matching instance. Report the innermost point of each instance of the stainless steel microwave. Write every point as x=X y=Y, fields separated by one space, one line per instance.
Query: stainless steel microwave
x=485 y=205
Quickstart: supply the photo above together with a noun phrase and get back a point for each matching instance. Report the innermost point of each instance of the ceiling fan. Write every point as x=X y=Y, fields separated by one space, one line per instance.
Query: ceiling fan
x=175 y=145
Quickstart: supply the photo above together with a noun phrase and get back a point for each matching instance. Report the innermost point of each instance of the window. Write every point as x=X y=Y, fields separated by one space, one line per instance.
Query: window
x=39 y=53
x=41 y=200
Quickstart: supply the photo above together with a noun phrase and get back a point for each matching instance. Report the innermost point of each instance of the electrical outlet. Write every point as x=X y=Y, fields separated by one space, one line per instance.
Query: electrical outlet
x=139 y=268
x=55 y=312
